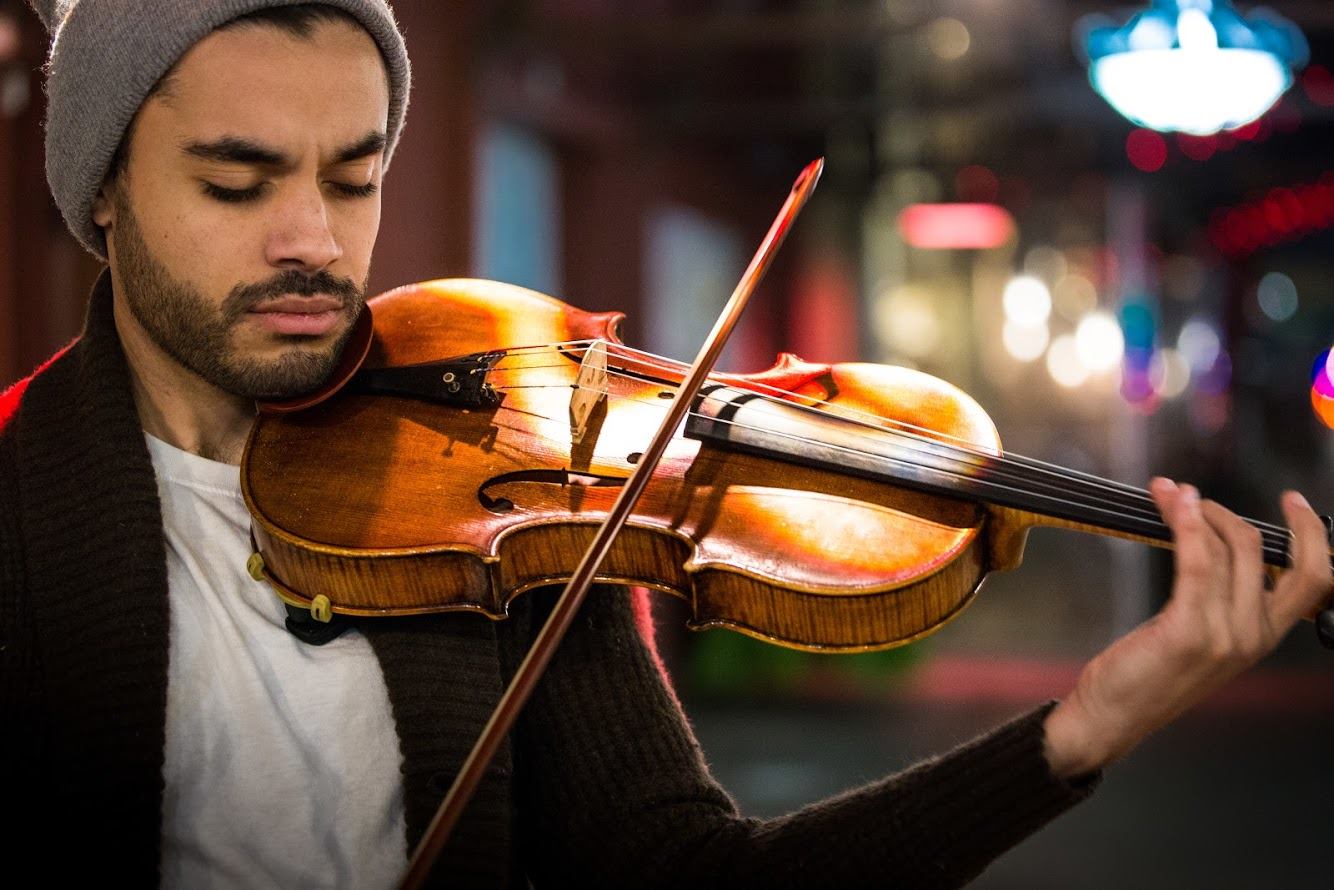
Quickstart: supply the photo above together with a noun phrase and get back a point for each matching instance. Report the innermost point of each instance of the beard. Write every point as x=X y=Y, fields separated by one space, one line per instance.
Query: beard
x=199 y=335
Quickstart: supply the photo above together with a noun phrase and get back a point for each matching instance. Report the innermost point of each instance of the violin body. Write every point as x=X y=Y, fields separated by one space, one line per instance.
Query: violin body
x=381 y=505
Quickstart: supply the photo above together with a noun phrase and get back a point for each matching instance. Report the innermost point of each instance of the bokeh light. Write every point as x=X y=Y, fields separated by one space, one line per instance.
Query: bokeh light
x=1064 y=364
x=905 y=318
x=1322 y=373
x=1027 y=301
x=1197 y=148
x=1198 y=342
x=1318 y=83
x=1147 y=150
x=1217 y=379
x=1277 y=296
x=948 y=38
x=1025 y=342
x=1324 y=408
x=1099 y=343
x=1169 y=373
x=1322 y=387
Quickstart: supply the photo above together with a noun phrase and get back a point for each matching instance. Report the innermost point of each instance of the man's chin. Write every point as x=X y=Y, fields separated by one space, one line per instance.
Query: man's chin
x=296 y=373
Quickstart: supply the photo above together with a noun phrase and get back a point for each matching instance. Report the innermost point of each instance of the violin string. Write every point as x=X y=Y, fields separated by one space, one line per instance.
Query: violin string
x=1001 y=482
x=1275 y=549
x=1272 y=546
x=1110 y=495
x=1125 y=495
x=994 y=466
x=880 y=423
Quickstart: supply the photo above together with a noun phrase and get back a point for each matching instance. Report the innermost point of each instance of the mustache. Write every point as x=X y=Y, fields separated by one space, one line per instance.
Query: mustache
x=243 y=297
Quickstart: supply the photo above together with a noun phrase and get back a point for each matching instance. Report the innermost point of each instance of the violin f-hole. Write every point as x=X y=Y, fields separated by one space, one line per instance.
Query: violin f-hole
x=564 y=478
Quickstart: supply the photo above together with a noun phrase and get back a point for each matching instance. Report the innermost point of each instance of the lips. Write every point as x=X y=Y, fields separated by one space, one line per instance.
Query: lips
x=310 y=316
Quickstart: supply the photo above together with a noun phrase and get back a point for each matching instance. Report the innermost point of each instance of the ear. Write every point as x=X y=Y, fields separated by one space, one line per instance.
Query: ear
x=104 y=208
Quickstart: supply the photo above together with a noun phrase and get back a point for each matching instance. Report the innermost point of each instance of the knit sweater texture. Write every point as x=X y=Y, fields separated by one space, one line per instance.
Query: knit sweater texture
x=602 y=784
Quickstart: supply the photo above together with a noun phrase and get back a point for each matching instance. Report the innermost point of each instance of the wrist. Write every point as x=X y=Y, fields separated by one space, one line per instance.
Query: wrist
x=1070 y=743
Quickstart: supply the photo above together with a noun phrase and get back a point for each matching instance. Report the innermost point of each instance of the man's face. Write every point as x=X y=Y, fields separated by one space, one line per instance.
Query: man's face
x=240 y=236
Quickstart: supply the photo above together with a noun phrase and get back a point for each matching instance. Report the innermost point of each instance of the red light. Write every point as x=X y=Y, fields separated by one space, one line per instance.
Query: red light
x=1315 y=206
x=956 y=226
x=1197 y=148
x=1147 y=150
x=1282 y=211
x=1247 y=132
x=1318 y=84
x=976 y=183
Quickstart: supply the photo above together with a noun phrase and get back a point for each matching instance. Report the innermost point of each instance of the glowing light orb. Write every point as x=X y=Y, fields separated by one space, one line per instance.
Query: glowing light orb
x=1027 y=301
x=1277 y=296
x=1199 y=343
x=906 y=319
x=1322 y=375
x=1025 y=342
x=948 y=38
x=1064 y=364
x=1195 y=67
x=1322 y=387
x=1099 y=342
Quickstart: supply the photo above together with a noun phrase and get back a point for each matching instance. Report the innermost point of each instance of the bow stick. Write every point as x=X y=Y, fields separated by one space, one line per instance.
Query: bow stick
x=544 y=646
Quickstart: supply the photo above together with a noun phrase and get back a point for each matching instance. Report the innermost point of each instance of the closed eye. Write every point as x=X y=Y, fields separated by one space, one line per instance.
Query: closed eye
x=355 y=191
x=232 y=196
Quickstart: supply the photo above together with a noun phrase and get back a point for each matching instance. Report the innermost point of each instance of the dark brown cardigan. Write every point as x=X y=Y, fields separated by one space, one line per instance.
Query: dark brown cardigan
x=603 y=785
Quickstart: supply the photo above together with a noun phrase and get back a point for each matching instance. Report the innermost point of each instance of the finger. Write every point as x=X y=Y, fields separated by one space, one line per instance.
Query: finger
x=1243 y=597
x=1191 y=535
x=1307 y=585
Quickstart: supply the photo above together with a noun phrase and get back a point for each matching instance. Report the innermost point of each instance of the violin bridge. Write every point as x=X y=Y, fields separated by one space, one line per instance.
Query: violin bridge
x=590 y=389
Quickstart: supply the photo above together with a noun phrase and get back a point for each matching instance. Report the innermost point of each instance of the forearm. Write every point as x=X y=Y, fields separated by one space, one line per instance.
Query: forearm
x=614 y=789
x=938 y=824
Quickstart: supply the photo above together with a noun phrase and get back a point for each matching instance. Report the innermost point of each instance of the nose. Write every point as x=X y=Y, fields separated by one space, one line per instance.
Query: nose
x=301 y=236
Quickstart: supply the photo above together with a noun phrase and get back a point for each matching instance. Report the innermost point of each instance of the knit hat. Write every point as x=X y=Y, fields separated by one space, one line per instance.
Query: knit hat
x=106 y=55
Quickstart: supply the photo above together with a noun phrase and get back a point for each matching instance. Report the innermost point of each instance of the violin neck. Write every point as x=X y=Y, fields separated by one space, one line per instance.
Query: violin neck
x=1027 y=492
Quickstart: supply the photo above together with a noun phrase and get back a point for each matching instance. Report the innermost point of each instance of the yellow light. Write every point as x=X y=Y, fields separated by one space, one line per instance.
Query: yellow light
x=948 y=38
x=1098 y=342
x=1027 y=301
x=1063 y=363
x=906 y=320
x=1023 y=342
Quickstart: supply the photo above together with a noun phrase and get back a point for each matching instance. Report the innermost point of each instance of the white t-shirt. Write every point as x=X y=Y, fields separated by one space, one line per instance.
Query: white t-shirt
x=282 y=763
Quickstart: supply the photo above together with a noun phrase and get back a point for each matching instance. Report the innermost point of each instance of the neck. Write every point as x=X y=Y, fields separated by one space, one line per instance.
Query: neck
x=177 y=405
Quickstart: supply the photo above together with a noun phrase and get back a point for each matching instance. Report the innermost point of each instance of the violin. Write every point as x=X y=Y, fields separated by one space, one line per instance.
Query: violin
x=842 y=507
x=839 y=507
x=832 y=507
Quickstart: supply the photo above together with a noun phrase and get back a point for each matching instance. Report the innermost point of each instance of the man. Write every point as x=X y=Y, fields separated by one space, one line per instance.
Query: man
x=225 y=158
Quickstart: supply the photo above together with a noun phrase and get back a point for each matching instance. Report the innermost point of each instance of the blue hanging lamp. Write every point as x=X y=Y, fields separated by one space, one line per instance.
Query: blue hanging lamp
x=1195 y=66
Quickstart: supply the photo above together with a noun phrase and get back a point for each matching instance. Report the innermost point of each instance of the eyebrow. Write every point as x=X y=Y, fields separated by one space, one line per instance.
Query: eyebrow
x=237 y=150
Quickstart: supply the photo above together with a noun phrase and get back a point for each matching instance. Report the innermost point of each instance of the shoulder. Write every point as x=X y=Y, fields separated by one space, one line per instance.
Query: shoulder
x=12 y=397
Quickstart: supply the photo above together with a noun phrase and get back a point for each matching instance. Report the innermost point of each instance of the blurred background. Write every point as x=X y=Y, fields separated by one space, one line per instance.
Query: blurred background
x=1124 y=297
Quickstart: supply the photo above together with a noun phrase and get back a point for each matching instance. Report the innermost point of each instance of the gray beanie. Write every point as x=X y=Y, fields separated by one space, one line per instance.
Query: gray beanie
x=106 y=55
